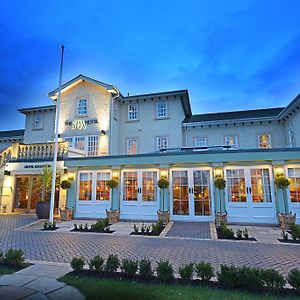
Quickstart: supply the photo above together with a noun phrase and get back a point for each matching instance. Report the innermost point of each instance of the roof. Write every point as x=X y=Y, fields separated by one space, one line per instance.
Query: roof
x=11 y=133
x=80 y=78
x=38 y=108
x=293 y=106
x=235 y=115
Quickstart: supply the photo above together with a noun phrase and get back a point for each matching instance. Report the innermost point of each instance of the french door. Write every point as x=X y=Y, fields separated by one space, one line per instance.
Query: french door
x=139 y=194
x=293 y=173
x=250 y=194
x=191 y=194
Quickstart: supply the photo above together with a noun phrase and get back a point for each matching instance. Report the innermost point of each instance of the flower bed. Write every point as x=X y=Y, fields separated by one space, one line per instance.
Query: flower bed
x=225 y=233
x=294 y=233
x=101 y=226
x=152 y=230
x=50 y=226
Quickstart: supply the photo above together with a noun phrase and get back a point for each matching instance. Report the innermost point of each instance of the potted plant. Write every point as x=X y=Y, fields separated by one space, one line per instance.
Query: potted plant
x=286 y=219
x=163 y=215
x=113 y=215
x=43 y=205
x=66 y=214
x=220 y=184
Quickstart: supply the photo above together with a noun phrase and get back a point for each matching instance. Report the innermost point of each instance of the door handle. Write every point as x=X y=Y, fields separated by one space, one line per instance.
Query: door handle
x=189 y=190
x=247 y=191
x=250 y=190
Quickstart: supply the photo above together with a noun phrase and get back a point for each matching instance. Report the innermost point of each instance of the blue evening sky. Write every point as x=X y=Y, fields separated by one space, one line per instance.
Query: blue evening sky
x=230 y=55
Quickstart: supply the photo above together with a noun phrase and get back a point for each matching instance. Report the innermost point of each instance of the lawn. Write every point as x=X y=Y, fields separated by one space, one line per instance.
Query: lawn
x=96 y=288
x=6 y=270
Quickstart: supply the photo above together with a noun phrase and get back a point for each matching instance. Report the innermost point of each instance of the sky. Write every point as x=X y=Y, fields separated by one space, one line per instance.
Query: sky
x=230 y=55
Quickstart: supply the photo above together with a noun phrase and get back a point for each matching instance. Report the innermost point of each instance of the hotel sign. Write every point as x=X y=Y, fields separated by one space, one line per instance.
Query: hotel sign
x=80 y=124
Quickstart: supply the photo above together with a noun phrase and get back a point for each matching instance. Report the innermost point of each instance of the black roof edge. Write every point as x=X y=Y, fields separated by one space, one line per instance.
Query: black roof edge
x=29 y=109
x=11 y=133
x=156 y=93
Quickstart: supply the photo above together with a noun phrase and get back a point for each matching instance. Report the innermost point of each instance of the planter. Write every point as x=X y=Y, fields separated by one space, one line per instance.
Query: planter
x=4 y=208
x=164 y=216
x=42 y=210
x=66 y=214
x=113 y=216
x=220 y=217
x=286 y=220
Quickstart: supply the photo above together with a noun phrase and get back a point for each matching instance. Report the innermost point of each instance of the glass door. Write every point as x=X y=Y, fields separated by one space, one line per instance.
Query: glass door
x=130 y=186
x=149 y=186
x=180 y=189
x=236 y=185
x=260 y=189
x=201 y=193
x=22 y=192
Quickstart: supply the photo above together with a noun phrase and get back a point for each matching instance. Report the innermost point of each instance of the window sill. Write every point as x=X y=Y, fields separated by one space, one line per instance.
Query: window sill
x=40 y=128
x=161 y=118
x=131 y=121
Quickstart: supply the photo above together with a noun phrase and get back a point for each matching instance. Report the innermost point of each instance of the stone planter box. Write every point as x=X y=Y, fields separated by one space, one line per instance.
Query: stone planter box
x=113 y=216
x=220 y=217
x=66 y=214
x=163 y=216
x=286 y=220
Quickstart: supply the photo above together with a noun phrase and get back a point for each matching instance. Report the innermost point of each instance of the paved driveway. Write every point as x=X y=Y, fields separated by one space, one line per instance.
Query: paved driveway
x=61 y=247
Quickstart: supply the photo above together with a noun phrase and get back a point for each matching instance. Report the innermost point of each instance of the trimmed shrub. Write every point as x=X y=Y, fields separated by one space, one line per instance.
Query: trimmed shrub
x=145 y=269
x=112 y=263
x=228 y=276
x=164 y=271
x=129 y=267
x=186 y=271
x=65 y=184
x=205 y=271
x=273 y=279
x=106 y=222
x=250 y=278
x=77 y=263
x=295 y=231
x=15 y=257
x=225 y=232
x=99 y=226
x=2 y=258
x=97 y=262
x=293 y=279
x=157 y=227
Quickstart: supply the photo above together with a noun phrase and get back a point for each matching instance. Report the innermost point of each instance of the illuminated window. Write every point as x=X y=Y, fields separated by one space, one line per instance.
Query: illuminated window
x=264 y=141
x=131 y=146
x=200 y=142
x=85 y=186
x=162 y=142
x=232 y=140
x=82 y=107
x=38 y=120
x=93 y=146
x=102 y=190
x=161 y=109
x=132 y=112
x=294 y=177
x=79 y=142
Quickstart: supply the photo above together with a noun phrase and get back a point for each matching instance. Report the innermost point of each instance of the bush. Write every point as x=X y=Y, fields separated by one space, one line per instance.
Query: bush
x=112 y=263
x=225 y=232
x=129 y=267
x=97 y=263
x=164 y=270
x=246 y=234
x=273 y=279
x=293 y=279
x=65 y=184
x=145 y=269
x=157 y=227
x=106 y=222
x=186 y=271
x=14 y=257
x=77 y=263
x=99 y=226
x=250 y=278
x=205 y=271
x=295 y=231
x=2 y=258
x=228 y=276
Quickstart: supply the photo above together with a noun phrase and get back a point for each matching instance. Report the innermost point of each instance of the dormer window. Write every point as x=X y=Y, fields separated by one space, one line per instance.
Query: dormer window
x=82 y=107
x=38 y=120
x=161 y=109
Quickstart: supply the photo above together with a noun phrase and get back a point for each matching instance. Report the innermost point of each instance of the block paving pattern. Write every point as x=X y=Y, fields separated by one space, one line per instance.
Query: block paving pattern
x=196 y=230
x=62 y=246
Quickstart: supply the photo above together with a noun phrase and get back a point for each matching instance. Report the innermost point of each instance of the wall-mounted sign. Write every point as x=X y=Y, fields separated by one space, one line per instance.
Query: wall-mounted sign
x=80 y=124
x=40 y=166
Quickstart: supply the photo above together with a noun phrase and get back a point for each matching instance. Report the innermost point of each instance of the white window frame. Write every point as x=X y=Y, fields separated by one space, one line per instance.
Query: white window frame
x=130 y=144
x=162 y=142
x=161 y=112
x=197 y=138
x=291 y=133
x=82 y=109
x=235 y=137
x=260 y=145
x=132 y=112
x=87 y=138
x=40 y=125
x=92 y=145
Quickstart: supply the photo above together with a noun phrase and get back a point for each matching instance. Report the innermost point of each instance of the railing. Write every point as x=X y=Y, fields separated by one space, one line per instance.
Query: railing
x=5 y=156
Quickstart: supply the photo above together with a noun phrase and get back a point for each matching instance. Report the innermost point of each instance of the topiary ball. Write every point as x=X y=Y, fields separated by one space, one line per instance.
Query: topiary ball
x=163 y=183
x=65 y=184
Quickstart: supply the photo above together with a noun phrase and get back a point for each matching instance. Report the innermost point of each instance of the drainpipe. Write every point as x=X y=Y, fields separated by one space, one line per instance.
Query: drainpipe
x=110 y=119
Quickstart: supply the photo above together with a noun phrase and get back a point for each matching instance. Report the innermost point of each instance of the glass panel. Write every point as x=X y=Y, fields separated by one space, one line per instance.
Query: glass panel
x=102 y=190
x=36 y=193
x=149 y=186
x=201 y=193
x=93 y=145
x=260 y=184
x=294 y=176
x=130 y=186
x=236 y=188
x=22 y=192
x=85 y=187
x=180 y=193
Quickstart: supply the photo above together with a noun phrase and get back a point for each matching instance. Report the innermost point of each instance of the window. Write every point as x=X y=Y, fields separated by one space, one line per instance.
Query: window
x=162 y=142
x=93 y=146
x=82 y=107
x=79 y=142
x=292 y=142
x=232 y=140
x=132 y=112
x=131 y=146
x=85 y=186
x=38 y=121
x=102 y=190
x=69 y=140
x=200 y=142
x=264 y=141
x=161 y=109
x=294 y=176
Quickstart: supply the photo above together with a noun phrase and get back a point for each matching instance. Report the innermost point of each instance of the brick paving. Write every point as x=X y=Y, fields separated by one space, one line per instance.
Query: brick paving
x=62 y=246
x=196 y=230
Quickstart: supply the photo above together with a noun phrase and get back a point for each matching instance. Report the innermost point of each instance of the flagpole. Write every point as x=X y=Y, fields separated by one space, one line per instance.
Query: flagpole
x=56 y=128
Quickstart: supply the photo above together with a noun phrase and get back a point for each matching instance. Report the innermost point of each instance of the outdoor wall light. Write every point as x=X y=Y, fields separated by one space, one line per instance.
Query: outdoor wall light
x=115 y=174
x=71 y=175
x=218 y=172
x=279 y=171
x=6 y=173
x=164 y=173
x=102 y=132
x=66 y=171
